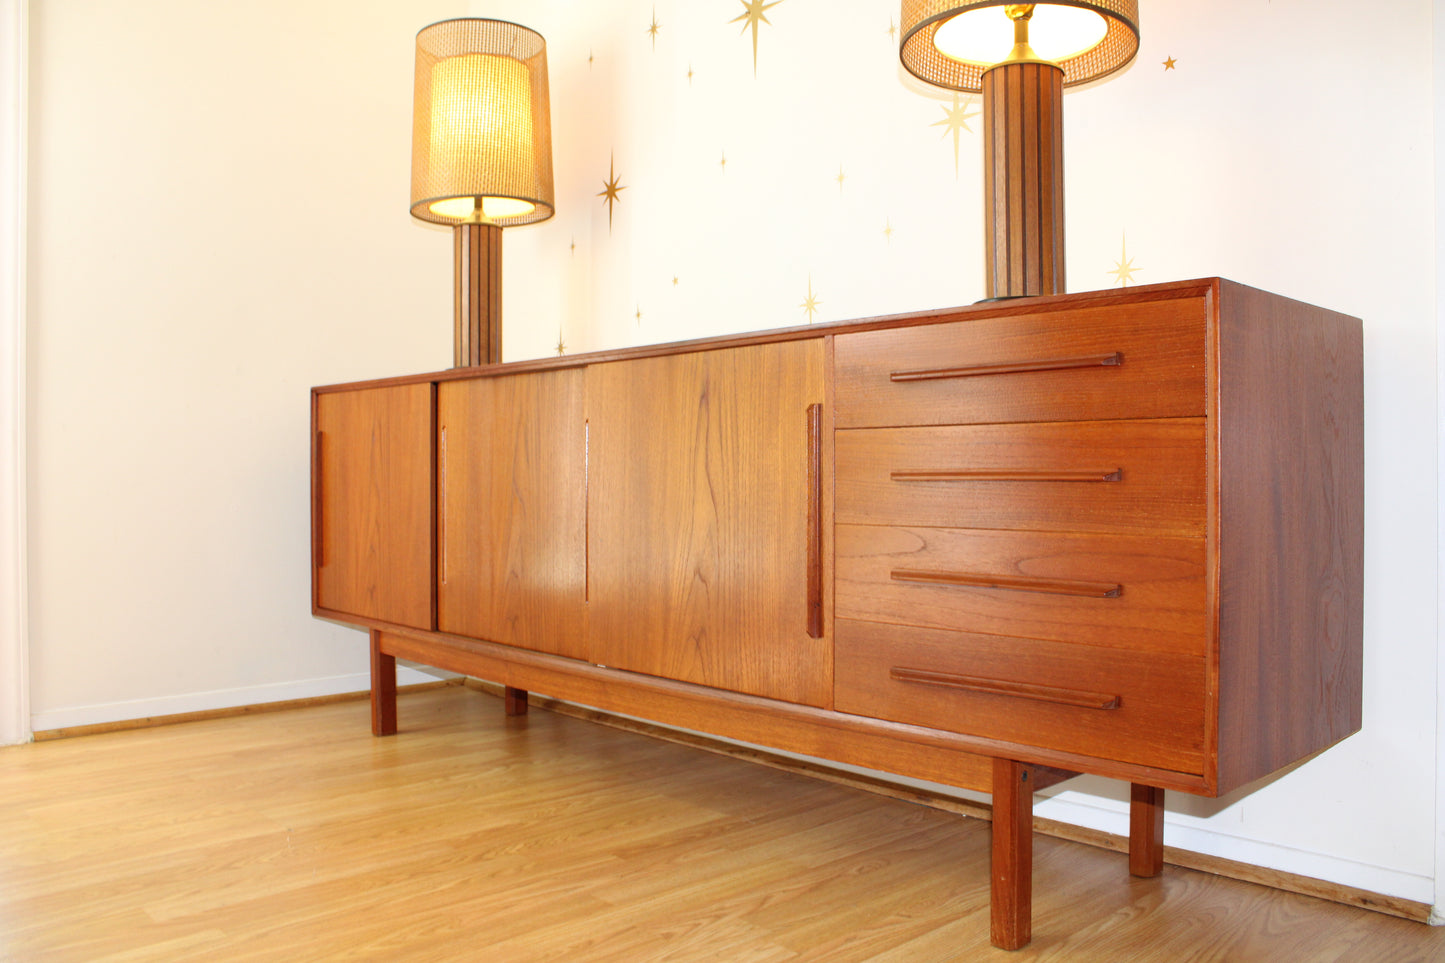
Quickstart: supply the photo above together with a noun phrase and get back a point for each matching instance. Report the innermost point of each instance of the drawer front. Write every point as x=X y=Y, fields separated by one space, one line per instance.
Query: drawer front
x=1122 y=591
x=1112 y=476
x=1124 y=361
x=1141 y=708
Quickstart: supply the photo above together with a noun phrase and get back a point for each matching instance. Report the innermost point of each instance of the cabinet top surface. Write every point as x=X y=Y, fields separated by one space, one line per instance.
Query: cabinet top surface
x=1202 y=287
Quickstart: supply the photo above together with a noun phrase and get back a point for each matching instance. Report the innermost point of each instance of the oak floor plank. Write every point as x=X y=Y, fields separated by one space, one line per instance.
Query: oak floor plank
x=298 y=836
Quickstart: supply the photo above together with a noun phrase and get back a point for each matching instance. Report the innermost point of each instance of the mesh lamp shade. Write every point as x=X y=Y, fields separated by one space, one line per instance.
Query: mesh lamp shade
x=951 y=43
x=481 y=129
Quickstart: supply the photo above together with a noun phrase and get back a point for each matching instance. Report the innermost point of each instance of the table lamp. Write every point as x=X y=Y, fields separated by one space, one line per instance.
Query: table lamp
x=1020 y=56
x=481 y=158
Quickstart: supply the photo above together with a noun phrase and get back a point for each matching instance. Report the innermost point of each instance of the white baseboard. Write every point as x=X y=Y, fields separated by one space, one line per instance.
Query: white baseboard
x=94 y=715
x=1108 y=816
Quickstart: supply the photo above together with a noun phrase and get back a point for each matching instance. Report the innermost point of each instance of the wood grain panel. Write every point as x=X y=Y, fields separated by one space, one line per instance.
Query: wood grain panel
x=1158 y=606
x=1154 y=717
x=1132 y=477
x=373 y=504
x=1160 y=373
x=1291 y=515
x=699 y=519
x=512 y=501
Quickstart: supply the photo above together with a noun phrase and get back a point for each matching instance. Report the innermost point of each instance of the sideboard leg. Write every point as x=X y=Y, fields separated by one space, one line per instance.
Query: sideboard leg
x=383 y=689
x=1013 y=854
x=515 y=701
x=1146 y=830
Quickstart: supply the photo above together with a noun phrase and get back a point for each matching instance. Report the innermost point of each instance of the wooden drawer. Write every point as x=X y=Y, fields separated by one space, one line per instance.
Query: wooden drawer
x=1141 y=708
x=1091 y=363
x=1123 y=591
x=1094 y=476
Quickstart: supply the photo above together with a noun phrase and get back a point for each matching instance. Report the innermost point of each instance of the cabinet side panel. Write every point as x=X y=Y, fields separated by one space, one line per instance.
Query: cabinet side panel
x=512 y=497
x=1291 y=485
x=698 y=519
x=374 y=504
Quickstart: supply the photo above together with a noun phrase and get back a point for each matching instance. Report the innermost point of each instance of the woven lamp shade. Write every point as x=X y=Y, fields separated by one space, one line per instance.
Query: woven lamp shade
x=481 y=127
x=922 y=58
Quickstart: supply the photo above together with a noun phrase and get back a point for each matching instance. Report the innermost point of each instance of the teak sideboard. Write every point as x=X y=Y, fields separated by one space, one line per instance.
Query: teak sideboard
x=994 y=547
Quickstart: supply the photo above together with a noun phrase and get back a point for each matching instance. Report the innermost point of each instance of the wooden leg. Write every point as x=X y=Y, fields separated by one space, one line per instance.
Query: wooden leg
x=1146 y=830
x=515 y=701
x=383 y=689
x=1013 y=854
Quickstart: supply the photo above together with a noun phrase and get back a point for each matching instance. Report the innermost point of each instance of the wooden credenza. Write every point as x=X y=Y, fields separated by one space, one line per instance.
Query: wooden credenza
x=1116 y=533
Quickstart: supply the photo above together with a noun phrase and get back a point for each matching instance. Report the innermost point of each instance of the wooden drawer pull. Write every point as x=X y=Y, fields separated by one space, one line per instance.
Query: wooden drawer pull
x=1094 y=475
x=1009 y=367
x=1048 y=586
x=1022 y=690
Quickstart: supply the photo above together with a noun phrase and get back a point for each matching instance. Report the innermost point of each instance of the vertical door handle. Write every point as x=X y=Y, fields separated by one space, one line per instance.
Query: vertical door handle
x=815 y=521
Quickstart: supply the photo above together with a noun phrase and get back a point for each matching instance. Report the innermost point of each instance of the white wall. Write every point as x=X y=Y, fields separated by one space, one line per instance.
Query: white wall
x=218 y=221
x=14 y=640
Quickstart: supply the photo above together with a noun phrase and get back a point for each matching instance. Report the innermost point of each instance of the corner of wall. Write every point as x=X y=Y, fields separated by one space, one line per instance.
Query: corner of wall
x=14 y=649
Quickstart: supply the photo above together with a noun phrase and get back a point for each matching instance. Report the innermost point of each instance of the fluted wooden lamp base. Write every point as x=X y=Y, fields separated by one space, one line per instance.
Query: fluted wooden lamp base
x=477 y=315
x=1024 y=179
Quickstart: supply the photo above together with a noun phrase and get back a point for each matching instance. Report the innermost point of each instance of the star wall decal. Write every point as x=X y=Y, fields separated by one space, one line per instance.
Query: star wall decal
x=689 y=75
x=574 y=246
x=674 y=280
x=724 y=162
x=590 y=58
x=810 y=304
x=755 y=12
x=1124 y=268
x=639 y=314
x=652 y=30
x=892 y=29
x=955 y=120
x=1169 y=64
x=888 y=230
x=840 y=178
x=561 y=345
x=610 y=189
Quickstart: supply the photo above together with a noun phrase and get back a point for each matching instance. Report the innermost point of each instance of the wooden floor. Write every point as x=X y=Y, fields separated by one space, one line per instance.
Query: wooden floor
x=470 y=836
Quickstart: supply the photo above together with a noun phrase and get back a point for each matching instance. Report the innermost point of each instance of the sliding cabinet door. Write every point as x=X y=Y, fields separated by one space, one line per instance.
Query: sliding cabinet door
x=704 y=534
x=511 y=536
x=372 y=504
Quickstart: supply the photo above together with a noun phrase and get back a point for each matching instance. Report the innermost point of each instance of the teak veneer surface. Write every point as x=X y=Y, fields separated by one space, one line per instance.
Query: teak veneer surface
x=698 y=530
x=296 y=835
x=373 y=543
x=512 y=501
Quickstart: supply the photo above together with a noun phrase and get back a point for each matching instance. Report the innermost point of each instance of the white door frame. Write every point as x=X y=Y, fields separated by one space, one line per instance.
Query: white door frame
x=14 y=622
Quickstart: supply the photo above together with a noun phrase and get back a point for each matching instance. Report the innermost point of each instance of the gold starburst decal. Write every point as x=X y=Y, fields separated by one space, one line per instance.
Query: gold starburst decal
x=639 y=314
x=888 y=230
x=724 y=162
x=892 y=29
x=955 y=121
x=755 y=12
x=561 y=345
x=840 y=178
x=689 y=75
x=1169 y=64
x=1124 y=268
x=652 y=30
x=610 y=189
x=810 y=304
